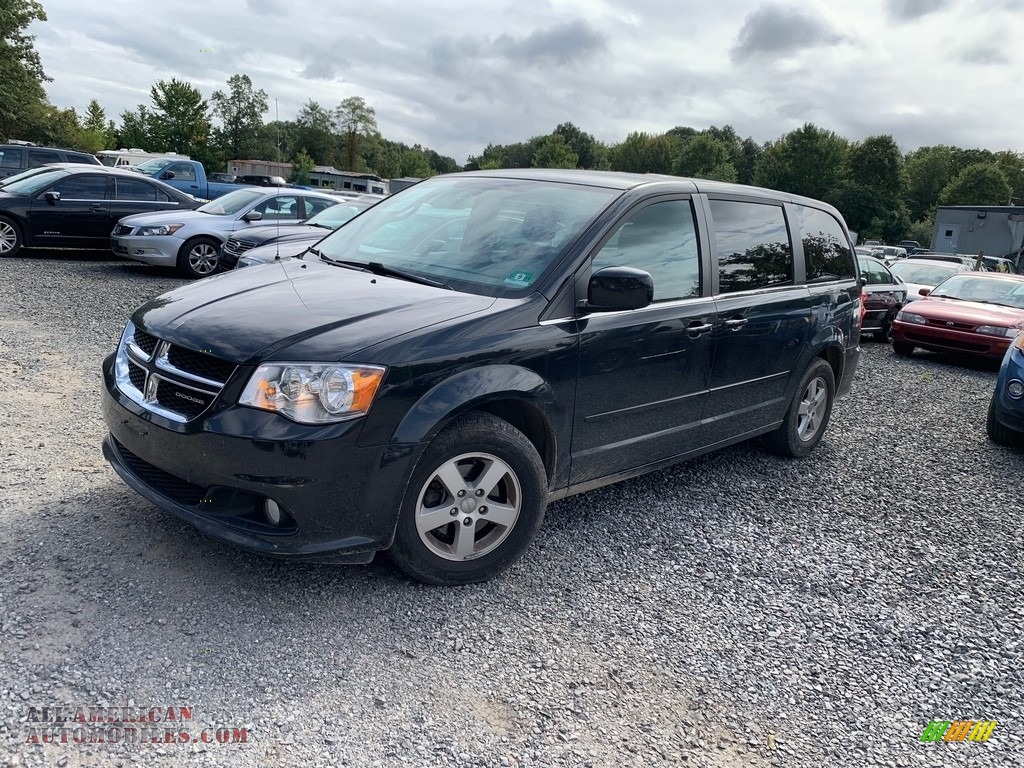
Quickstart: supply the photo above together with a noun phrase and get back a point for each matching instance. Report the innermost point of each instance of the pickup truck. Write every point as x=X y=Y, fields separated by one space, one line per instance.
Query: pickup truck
x=187 y=175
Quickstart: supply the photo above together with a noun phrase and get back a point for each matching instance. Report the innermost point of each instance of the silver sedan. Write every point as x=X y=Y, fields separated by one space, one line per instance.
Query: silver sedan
x=191 y=240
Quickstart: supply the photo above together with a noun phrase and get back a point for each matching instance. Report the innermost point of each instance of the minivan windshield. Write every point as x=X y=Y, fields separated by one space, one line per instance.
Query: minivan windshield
x=232 y=202
x=495 y=236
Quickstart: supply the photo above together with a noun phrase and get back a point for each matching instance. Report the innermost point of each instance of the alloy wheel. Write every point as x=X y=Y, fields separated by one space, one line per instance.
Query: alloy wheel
x=203 y=259
x=812 y=409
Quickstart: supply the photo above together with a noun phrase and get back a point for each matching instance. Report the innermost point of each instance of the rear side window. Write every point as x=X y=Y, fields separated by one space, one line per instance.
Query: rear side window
x=134 y=189
x=10 y=158
x=38 y=157
x=826 y=249
x=660 y=239
x=75 y=157
x=754 y=249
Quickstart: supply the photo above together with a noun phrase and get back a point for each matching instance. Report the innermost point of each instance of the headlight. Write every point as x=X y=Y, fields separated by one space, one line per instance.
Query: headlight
x=245 y=261
x=313 y=393
x=159 y=229
x=909 y=317
x=996 y=330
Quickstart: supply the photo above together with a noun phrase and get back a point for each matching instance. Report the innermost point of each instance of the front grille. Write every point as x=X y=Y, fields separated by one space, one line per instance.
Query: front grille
x=121 y=229
x=199 y=364
x=184 y=400
x=953 y=326
x=164 y=483
x=238 y=247
x=144 y=341
x=137 y=376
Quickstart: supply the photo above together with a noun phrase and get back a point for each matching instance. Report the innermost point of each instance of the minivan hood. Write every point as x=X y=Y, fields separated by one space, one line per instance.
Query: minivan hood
x=253 y=314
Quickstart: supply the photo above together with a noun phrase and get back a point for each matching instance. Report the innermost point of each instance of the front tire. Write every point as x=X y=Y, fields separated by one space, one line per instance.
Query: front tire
x=474 y=503
x=902 y=349
x=998 y=432
x=199 y=257
x=807 y=418
x=10 y=237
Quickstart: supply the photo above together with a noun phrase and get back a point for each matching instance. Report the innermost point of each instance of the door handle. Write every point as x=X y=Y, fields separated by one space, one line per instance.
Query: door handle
x=698 y=327
x=735 y=323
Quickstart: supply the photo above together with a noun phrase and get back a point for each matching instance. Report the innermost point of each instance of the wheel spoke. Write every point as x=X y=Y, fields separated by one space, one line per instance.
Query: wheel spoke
x=491 y=476
x=451 y=479
x=431 y=519
x=504 y=515
x=465 y=539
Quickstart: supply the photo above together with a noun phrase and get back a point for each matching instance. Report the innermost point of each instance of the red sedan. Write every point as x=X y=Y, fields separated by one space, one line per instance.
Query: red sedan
x=975 y=313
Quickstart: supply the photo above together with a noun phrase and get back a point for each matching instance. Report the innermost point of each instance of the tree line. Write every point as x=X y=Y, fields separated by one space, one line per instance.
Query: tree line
x=882 y=192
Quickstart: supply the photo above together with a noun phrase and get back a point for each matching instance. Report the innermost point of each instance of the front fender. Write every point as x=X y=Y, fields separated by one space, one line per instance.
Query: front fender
x=466 y=389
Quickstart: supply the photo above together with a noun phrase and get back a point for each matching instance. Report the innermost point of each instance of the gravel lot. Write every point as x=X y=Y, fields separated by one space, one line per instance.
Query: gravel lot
x=736 y=610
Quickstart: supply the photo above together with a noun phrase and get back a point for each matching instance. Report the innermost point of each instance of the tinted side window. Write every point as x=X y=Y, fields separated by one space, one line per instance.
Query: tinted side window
x=314 y=205
x=826 y=249
x=875 y=273
x=80 y=187
x=38 y=157
x=279 y=208
x=754 y=250
x=134 y=189
x=75 y=157
x=182 y=171
x=10 y=158
x=660 y=239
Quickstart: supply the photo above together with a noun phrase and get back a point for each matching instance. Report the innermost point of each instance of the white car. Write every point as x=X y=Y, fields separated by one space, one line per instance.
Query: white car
x=924 y=273
x=192 y=240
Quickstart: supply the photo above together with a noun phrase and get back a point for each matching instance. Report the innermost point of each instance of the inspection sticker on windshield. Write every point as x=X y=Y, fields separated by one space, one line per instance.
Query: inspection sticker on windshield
x=522 y=279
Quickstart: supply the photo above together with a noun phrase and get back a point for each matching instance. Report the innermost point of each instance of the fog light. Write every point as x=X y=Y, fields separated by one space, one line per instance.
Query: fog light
x=1015 y=389
x=272 y=511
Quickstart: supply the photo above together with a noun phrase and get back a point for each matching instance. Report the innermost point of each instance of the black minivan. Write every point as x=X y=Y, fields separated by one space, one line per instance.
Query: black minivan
x=434 y=372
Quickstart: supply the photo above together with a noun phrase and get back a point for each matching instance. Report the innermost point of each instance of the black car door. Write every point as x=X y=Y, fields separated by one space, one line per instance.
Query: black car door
x=763 y=317
x=139 y=195
x=77 y=216
x=643 y=374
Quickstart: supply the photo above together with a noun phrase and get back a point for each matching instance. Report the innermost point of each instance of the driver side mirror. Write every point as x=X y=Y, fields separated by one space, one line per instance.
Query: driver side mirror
x=167 y=175
x=252 y=216
x=52 y=197
x=925 y=291
x=614 y=289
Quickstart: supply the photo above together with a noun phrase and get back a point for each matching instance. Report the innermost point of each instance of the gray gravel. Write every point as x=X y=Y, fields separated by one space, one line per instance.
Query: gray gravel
x=736 y=610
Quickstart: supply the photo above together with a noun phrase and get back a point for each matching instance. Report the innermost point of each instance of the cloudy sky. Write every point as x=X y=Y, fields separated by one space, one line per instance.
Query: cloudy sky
x=456 y=75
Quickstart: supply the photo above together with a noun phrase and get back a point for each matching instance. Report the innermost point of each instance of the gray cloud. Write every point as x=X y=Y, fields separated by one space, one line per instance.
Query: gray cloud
x=984 y=53
x=774 y=30
x=561 y=44
x=908 y=10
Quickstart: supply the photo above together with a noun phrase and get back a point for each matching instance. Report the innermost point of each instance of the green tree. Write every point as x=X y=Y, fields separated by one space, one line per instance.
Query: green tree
x=355 y=119
x=302 y=166
x=705 y=157
x=746 y=161
x=414 y=163
x=809 y=161
x=554 y=152
x=313 y=133
x=644 y=153
x=136 y=129
x=95 y=135
x=588 y=150
x=977 y=184
x=877 y=163
x=241 y=112
x=180 y=121
x=929 y=170
x=1012 y=166
x=21 y=71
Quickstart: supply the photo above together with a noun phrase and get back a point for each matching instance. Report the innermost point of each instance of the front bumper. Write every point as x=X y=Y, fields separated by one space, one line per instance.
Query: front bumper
x=1010 y=412
x=340 y=501
x=160 y=250
x=938 y=339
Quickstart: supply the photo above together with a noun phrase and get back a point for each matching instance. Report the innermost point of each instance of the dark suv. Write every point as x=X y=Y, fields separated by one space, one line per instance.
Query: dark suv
x=15 y=158
x=446 y=363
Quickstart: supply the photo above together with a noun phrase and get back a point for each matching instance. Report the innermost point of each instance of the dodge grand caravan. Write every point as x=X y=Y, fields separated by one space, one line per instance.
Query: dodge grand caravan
x=435 y=371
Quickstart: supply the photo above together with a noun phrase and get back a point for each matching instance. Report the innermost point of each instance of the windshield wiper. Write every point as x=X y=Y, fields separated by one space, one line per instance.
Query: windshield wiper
x=322 y=226
x=376 y=268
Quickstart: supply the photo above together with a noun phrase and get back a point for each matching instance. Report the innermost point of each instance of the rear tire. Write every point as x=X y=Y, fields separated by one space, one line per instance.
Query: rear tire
x=998 y=432
x=902 y=349
x=199 y=257
x=474 y=503
x=885 y=334
x=807 y=418
x=10 y=237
